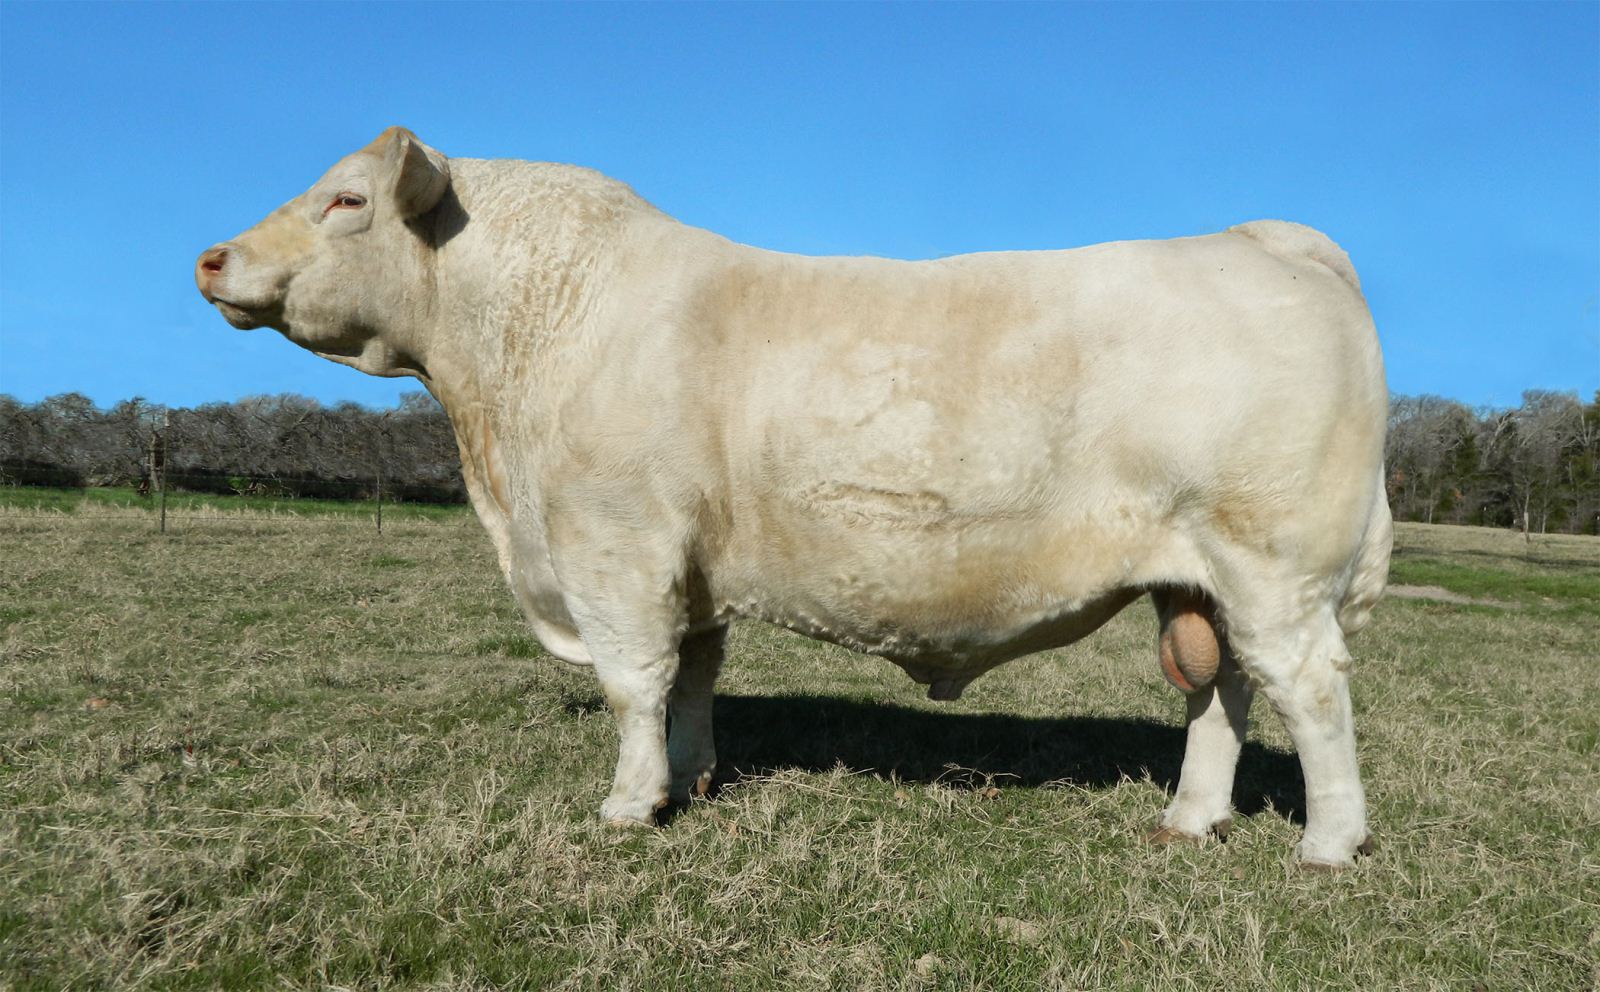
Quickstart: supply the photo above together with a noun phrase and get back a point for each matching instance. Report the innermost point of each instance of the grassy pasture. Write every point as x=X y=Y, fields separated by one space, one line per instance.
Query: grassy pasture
x=126 y=498
x=281 y=751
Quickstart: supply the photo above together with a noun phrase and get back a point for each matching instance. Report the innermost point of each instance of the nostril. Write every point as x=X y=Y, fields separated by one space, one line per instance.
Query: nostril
x=209 y=270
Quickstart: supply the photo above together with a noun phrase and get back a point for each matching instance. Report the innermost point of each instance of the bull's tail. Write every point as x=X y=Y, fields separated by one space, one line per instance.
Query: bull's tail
x=1289 y=240
x=1370 y=573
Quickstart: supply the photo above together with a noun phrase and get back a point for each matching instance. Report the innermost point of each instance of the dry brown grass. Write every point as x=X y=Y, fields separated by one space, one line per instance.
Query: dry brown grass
x=286 y=753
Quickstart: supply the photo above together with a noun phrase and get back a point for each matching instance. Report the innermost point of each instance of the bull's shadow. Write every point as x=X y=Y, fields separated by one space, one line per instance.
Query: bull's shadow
x=757 y=735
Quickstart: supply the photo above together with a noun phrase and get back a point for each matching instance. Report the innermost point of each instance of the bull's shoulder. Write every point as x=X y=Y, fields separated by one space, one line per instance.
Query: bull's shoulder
x=1297 y=242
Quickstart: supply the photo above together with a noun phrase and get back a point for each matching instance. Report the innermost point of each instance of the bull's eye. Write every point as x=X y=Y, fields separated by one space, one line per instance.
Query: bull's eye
x=347 y=201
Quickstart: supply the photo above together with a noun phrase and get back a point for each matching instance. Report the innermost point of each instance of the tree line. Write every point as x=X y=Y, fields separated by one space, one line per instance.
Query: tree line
x=283 y=445
x=1535 y=467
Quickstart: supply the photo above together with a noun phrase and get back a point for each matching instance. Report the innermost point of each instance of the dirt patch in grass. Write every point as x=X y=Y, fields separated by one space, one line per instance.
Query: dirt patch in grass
x=1442 y=595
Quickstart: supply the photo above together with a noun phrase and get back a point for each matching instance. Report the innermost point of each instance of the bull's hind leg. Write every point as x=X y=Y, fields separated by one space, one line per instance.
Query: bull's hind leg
x=1218 y=720
x=691 y=752
x=1194 y=659
x=1303 y=669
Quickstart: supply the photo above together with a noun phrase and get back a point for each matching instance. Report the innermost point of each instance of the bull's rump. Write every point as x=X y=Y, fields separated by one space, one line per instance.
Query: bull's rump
x=944 y=456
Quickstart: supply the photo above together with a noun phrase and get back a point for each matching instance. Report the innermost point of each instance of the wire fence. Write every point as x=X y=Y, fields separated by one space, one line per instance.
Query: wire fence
x=176 y=521
x=268 y=452
x=164 y=499
x=227 y=484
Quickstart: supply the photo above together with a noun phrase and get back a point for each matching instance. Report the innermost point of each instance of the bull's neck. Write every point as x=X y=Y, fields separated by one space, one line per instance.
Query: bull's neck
x=522 y=251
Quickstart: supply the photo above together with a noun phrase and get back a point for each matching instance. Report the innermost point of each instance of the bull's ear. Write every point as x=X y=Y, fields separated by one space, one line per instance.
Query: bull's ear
x=418 y=175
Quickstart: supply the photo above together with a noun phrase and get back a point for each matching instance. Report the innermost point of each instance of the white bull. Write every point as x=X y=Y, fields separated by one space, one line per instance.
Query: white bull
x=948 y=463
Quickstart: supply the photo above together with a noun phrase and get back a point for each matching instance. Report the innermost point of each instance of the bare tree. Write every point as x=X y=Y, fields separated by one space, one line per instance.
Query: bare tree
x=1424 y=435
x=1528 y=444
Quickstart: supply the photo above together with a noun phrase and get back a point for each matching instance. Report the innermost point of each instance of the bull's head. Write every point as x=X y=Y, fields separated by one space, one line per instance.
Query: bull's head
x=337 y=268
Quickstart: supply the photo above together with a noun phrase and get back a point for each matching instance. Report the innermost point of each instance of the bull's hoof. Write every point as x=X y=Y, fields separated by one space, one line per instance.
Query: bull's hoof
x=1163 y=835
x=629 y=822
x=631 y=813
x=1366 y=848
x=1171 y=835
x=690 y=789
x=945 y=690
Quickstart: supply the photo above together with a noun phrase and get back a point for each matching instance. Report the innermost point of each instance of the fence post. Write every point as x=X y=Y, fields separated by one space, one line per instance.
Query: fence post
x=166 y=422
x=383 y=435
x=158 y=463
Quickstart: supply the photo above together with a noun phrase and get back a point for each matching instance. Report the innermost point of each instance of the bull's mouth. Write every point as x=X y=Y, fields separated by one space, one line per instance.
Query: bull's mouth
x=238 y=316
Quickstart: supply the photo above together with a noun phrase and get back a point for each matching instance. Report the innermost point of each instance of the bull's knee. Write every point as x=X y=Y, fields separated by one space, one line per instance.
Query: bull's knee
x=1188 y=646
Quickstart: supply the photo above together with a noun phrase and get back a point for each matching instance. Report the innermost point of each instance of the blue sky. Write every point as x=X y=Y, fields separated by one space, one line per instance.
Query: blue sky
x=1452 y=149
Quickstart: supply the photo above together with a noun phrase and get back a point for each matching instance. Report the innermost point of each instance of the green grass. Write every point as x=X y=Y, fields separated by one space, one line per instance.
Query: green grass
x=274 y=751
x=1550 y=570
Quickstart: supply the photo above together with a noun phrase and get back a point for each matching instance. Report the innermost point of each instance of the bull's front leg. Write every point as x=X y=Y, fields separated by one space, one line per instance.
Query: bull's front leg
x=621 y=574
x=636 y=660
x=646 y=686
x=637 y=692
x=691 y=753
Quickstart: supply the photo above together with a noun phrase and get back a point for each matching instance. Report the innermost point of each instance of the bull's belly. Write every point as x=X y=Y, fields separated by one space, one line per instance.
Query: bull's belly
x=932 y=647
x=944 y=601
